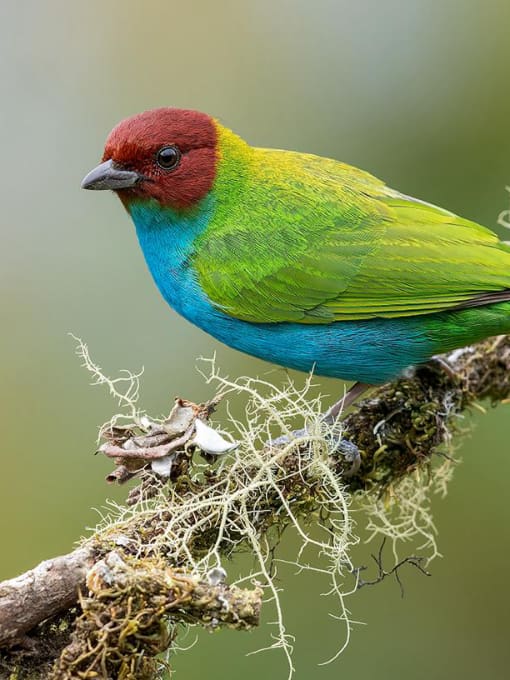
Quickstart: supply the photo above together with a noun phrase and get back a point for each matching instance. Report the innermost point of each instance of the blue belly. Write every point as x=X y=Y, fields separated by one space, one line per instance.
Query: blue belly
x=372 y=351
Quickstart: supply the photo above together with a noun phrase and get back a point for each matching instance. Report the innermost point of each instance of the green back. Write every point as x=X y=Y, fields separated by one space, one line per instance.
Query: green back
x=301 y=238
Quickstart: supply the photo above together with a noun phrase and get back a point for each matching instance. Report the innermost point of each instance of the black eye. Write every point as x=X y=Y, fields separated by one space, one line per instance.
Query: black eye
x=168 y=157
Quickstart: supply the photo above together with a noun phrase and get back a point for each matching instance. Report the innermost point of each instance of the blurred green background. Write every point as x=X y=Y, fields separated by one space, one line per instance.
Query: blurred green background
x=416 y=92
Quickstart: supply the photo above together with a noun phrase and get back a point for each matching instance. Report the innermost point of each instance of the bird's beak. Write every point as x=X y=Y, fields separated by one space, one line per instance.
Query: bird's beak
x=107 y=175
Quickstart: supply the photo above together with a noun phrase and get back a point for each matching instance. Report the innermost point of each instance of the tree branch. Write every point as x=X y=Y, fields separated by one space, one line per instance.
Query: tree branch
x=133 y=565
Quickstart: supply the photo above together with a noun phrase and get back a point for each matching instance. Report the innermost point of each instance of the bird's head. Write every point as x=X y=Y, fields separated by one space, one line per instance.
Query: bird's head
x=169 y=155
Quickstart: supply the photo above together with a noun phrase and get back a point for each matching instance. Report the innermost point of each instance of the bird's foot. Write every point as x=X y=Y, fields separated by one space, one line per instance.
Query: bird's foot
x=285 y=439
x=338 y=446
x=350 y=454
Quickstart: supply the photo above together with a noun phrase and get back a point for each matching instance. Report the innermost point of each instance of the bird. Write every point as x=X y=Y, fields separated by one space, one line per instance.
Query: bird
x=301 y=260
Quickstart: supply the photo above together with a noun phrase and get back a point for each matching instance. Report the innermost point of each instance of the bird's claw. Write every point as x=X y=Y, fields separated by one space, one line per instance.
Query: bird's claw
x=284 y=439
x=350 y=453
x=342 y=447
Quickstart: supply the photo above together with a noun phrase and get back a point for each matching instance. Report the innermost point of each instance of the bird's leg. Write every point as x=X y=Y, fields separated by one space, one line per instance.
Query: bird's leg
x=442 y=364
x=349 y=398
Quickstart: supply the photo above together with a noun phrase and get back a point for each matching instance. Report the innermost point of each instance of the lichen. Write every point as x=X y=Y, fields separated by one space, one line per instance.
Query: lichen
x=208 y=508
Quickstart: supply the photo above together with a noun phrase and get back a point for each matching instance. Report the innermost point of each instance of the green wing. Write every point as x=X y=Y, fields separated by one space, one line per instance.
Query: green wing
x=311 y=240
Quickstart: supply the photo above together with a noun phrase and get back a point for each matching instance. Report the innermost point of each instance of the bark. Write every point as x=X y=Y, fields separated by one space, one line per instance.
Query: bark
x=40 y=593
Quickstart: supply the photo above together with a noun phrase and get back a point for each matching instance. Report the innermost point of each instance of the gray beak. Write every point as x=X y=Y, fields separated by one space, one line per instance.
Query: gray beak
x=110 y=176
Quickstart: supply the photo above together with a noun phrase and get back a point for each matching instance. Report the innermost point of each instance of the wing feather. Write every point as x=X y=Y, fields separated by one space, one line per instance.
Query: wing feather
x=312 y=240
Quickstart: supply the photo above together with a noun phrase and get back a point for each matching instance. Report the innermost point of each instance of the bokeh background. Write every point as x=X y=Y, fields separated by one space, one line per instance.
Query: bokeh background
x=416 y=91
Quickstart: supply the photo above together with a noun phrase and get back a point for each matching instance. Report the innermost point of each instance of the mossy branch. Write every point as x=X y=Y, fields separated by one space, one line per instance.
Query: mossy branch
x=110 y=607
x=121 y=628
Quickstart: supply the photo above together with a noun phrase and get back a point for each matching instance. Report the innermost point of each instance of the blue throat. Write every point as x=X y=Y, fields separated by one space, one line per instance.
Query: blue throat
x=371 y=351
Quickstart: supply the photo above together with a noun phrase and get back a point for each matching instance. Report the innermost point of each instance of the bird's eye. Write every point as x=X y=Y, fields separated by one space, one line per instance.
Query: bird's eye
x=168 y=157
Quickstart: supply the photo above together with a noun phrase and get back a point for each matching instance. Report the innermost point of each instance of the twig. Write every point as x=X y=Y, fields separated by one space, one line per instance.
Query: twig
x=414 y=560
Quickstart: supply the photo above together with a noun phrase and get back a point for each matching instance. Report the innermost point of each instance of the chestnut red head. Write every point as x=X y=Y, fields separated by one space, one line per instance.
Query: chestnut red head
x=165 y=154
